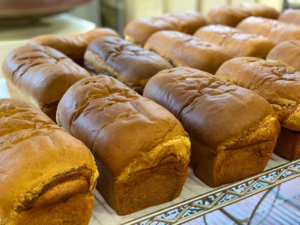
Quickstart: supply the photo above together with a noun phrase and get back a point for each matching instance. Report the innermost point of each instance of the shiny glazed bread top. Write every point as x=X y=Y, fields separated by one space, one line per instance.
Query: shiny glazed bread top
x=135 y=64
x=42 y=73
x=290 y=16
x=138 y=31
x=72 y=45
x=40 y=163
x=275 y=30
x=217 y=113
x=231 y=15
x=286 y=54
x=124 y=130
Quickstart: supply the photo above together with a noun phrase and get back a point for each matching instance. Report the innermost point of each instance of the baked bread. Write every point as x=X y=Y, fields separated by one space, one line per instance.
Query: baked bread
x=47 y=176
x=276 y=31
x=235 y=42
x=40 y=75
x=288 y=144
x=290 y=16
x=123 y=60
x=185 y=50
x=73 y=46
x=286 y=54
x=231 y=15
x=232 y=130
x=278 y=85
x=138 y=31
x=141 y=150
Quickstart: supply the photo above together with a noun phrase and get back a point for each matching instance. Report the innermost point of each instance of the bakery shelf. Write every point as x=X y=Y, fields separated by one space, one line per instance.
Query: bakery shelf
x=204 y=199
x=196 y=199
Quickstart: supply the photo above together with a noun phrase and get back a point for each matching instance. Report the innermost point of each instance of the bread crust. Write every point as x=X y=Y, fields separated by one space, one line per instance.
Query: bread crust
x=73 y=46
x=231 y=15
x=206 y=105
x=286 y=54
x=278 y=85
x=235 y=42
x=275 y=30
x=188 y=51
x=290 y=16
x=133 y=139
x=138 y=31
x=111 y=56
x=44 y=169
x=40 y=74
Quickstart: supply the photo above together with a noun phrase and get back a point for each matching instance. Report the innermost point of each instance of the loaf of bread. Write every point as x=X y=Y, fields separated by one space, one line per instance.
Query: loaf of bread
x=141 y=150
x=288 y=144
x=73 y=46
x=47 y=176
x=40 y=75
x=290 y=16
x=123 y=60
x=231 y=15
x=286 y=54
x=278 y=85
x=276 y=31
x=233 y=130
x=138 y=31
x=236 y=42
x=184 y=50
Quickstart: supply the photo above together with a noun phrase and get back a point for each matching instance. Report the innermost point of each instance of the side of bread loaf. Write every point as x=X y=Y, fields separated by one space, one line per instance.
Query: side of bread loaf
x=138 y=31
x=231 y=15
x=185 y=50
x=286 y=54
x=278 y=85
x=142 y=150
x=40 y=75
x=290 y=16
x=236 y=42
x=233 y=130
x=275 y=30
x=127 y=62
x=73 y=46
x=46 y=174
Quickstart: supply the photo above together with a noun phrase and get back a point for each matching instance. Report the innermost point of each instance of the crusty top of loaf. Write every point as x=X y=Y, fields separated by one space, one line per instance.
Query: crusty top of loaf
x=290 y=16
x=35 y=156
x=231 y=15
x=140 y=30
x=286 y=54
x=279 y=85
x=212 y=111
x=41 y=72
x=274 y=30
x=122 y=128
x=190 y=50
x=236 y=42
x=132 y=62
x=72 y=45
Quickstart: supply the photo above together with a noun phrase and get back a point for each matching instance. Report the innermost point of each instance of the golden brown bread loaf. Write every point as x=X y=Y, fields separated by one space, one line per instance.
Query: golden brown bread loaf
x=290 y=16
x=185 y=50
x=138 y=31
x=141 y=150
x=288 y=144
x=235 y=42
x=73 y=46
x=276 y=31
x=286 y=54
x=40 y=75
x=233 y=130
x=231 y=15
x=127 y=62
x=47 y=176
x=278 y=85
